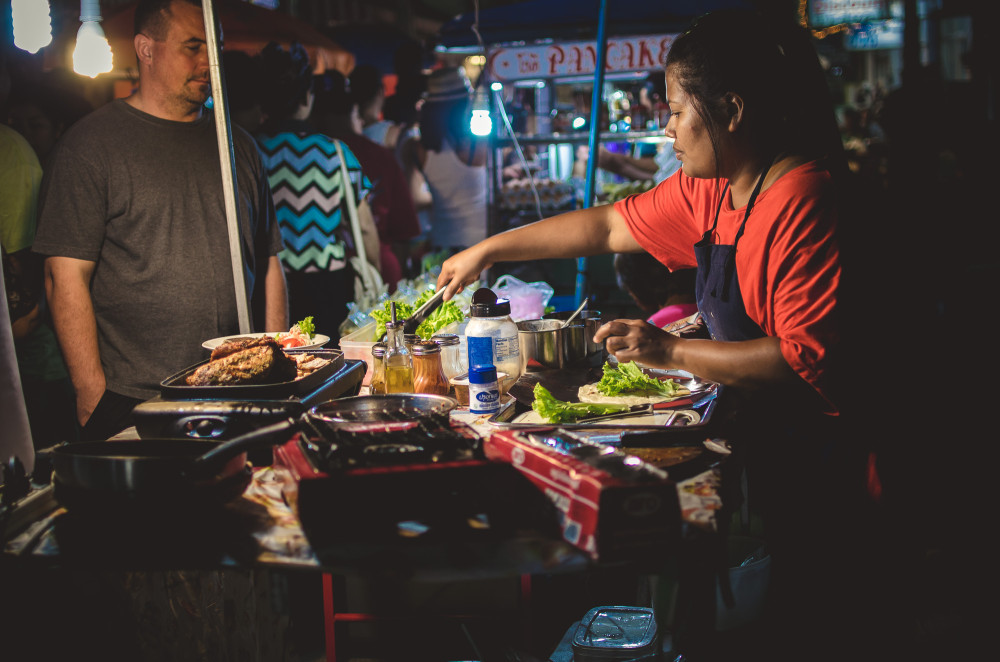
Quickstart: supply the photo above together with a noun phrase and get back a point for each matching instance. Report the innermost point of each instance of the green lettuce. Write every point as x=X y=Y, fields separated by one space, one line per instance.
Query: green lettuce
x=629 y=379
x=558 y=411
x=307 y=327
x=443 y=315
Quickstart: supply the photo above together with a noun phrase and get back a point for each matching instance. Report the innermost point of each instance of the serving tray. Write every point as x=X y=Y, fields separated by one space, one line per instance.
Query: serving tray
x=176 y=387
x=685 y=412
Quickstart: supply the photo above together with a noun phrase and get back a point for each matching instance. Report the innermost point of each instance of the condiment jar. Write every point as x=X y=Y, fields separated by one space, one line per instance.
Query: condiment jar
x=428 y=374
x=398 y=361
x=492 y=335
x=484 y=390
x=451 y=359
x=377 y=384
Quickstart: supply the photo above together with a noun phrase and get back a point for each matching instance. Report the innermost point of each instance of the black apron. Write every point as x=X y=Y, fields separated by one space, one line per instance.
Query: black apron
x=717 y=285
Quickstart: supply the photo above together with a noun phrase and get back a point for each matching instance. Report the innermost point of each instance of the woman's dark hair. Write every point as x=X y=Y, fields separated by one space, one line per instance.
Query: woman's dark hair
x=650 y=282
x=286 y=79
x=773 y=66
x=444 y=119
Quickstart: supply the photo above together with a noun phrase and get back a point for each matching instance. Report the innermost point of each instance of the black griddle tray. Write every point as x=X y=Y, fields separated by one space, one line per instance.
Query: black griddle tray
x=176 y=388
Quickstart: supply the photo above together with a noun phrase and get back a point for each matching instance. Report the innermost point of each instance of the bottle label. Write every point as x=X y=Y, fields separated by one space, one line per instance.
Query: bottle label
x=507 y=349
x=480 y=350
x=484 y=398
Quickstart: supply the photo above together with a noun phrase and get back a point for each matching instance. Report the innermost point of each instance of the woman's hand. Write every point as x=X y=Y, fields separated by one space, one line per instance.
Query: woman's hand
x=462 y=269
x=637 y=340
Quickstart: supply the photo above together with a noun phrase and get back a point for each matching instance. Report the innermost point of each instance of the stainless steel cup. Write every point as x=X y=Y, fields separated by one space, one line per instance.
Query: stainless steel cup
x=541 y=344
x=579 y=346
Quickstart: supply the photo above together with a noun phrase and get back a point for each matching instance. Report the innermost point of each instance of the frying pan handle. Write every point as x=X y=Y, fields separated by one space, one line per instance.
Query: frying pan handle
x=210 y=463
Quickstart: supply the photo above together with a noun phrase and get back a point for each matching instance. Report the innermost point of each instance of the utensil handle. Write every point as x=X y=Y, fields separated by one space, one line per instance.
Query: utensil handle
x=207 y=465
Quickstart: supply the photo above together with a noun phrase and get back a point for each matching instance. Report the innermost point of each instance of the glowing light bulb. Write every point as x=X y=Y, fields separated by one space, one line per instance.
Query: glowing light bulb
x=92 y=55
x=481 y=124
x=32 y=24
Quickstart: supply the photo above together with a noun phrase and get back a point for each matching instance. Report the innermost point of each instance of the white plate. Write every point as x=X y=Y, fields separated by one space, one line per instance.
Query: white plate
x=318 y=340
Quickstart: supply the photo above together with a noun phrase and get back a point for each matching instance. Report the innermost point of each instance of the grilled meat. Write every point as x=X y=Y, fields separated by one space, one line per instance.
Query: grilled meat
x=262 y=364
x=237 y=344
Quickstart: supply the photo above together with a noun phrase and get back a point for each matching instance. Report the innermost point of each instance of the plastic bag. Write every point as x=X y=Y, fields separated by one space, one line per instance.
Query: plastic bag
x=527 y=300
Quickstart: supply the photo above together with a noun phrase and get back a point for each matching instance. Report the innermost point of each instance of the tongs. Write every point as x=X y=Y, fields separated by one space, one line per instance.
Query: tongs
x=411 y=323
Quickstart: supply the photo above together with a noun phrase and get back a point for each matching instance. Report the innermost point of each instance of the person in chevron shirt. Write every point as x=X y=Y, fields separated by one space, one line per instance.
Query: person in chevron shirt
x=307 y=185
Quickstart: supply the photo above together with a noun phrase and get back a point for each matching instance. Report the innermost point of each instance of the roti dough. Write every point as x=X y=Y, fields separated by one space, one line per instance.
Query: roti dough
x=589 y=393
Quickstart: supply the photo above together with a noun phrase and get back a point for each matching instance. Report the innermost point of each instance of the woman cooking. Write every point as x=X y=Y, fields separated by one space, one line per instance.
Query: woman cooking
x=755 y=210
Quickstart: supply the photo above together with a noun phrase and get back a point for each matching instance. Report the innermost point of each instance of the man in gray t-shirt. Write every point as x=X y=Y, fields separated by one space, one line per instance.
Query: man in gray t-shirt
x=133 y=222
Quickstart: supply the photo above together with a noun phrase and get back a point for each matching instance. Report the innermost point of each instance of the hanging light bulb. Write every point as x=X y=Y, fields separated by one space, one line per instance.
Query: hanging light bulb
x=32 y=24
x=92 y=55
x=481 y=124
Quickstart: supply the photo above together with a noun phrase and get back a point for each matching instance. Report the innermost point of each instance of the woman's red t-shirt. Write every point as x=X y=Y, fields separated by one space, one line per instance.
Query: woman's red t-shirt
x=787 y=260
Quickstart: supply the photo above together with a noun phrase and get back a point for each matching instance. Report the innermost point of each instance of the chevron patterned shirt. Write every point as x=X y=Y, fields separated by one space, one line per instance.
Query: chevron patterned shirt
x=308 y=190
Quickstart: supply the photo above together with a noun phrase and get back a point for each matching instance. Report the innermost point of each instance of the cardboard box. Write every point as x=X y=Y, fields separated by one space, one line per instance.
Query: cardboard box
x=611 y=508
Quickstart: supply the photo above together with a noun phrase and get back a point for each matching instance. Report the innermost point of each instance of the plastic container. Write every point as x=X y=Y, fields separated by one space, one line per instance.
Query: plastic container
x=616 y=633
x=461 y=385
x=484 y=390
x=491 y=334
x=358 y=345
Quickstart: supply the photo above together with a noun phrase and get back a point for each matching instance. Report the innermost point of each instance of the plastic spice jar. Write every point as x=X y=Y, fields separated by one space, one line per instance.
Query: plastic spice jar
x=484 y=391
x=492 y=335
x=428 y=373
x=451 y=349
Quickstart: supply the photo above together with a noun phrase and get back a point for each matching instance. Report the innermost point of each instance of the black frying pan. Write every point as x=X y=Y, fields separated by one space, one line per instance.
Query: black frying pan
x=163 y=471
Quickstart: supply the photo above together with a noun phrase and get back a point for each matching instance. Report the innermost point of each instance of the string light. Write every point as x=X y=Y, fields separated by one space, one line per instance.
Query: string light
x=92 y=55
x=32 y=24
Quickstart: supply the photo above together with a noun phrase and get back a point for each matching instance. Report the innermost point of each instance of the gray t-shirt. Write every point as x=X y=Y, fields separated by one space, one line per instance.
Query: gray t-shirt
x=142 y=197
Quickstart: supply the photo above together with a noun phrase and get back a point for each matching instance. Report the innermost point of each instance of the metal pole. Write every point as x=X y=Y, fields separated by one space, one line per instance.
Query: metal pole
x=227 y=162
x=595 y=131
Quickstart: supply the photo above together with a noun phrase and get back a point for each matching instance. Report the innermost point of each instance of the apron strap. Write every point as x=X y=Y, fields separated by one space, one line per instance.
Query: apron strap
x=730 y=265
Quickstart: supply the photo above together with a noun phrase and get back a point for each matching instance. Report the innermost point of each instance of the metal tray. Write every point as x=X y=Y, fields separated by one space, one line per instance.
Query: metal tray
x=696 y=416
x=176 y=388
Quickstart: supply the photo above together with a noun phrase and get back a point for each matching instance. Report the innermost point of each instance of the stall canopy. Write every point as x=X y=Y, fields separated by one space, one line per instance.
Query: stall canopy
x=574 y=19
x=245 y=27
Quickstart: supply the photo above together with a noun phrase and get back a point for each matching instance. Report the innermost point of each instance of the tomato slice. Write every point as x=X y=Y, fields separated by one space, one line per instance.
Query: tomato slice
x=292 y=341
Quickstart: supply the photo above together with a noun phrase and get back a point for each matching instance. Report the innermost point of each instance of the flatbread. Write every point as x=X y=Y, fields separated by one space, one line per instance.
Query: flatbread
x=589 y=393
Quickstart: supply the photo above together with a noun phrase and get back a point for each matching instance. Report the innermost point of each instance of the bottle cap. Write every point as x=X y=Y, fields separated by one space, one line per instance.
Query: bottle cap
x=425 y=347
x=499 y=308
x=378 y=349
x=482 y=374
x=446 y=339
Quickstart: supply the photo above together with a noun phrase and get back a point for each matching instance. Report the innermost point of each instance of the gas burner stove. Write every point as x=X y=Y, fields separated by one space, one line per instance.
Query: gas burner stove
x=427 y=440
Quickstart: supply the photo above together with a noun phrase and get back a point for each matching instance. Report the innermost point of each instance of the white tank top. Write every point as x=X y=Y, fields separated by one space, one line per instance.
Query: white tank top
x=459 y=195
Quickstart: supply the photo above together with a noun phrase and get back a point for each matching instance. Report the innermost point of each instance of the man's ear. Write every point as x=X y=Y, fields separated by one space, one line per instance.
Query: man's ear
x=143 y=48
x=734 y=111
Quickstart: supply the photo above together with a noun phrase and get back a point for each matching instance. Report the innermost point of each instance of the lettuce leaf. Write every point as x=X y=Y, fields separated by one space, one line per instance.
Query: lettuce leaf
x=558 y=411
x=442 y=316
x=629 y=379
x=307 y=327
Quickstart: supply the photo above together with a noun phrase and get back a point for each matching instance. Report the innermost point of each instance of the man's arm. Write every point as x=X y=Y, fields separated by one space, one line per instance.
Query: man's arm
x=275 y=296
x=67 y=284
